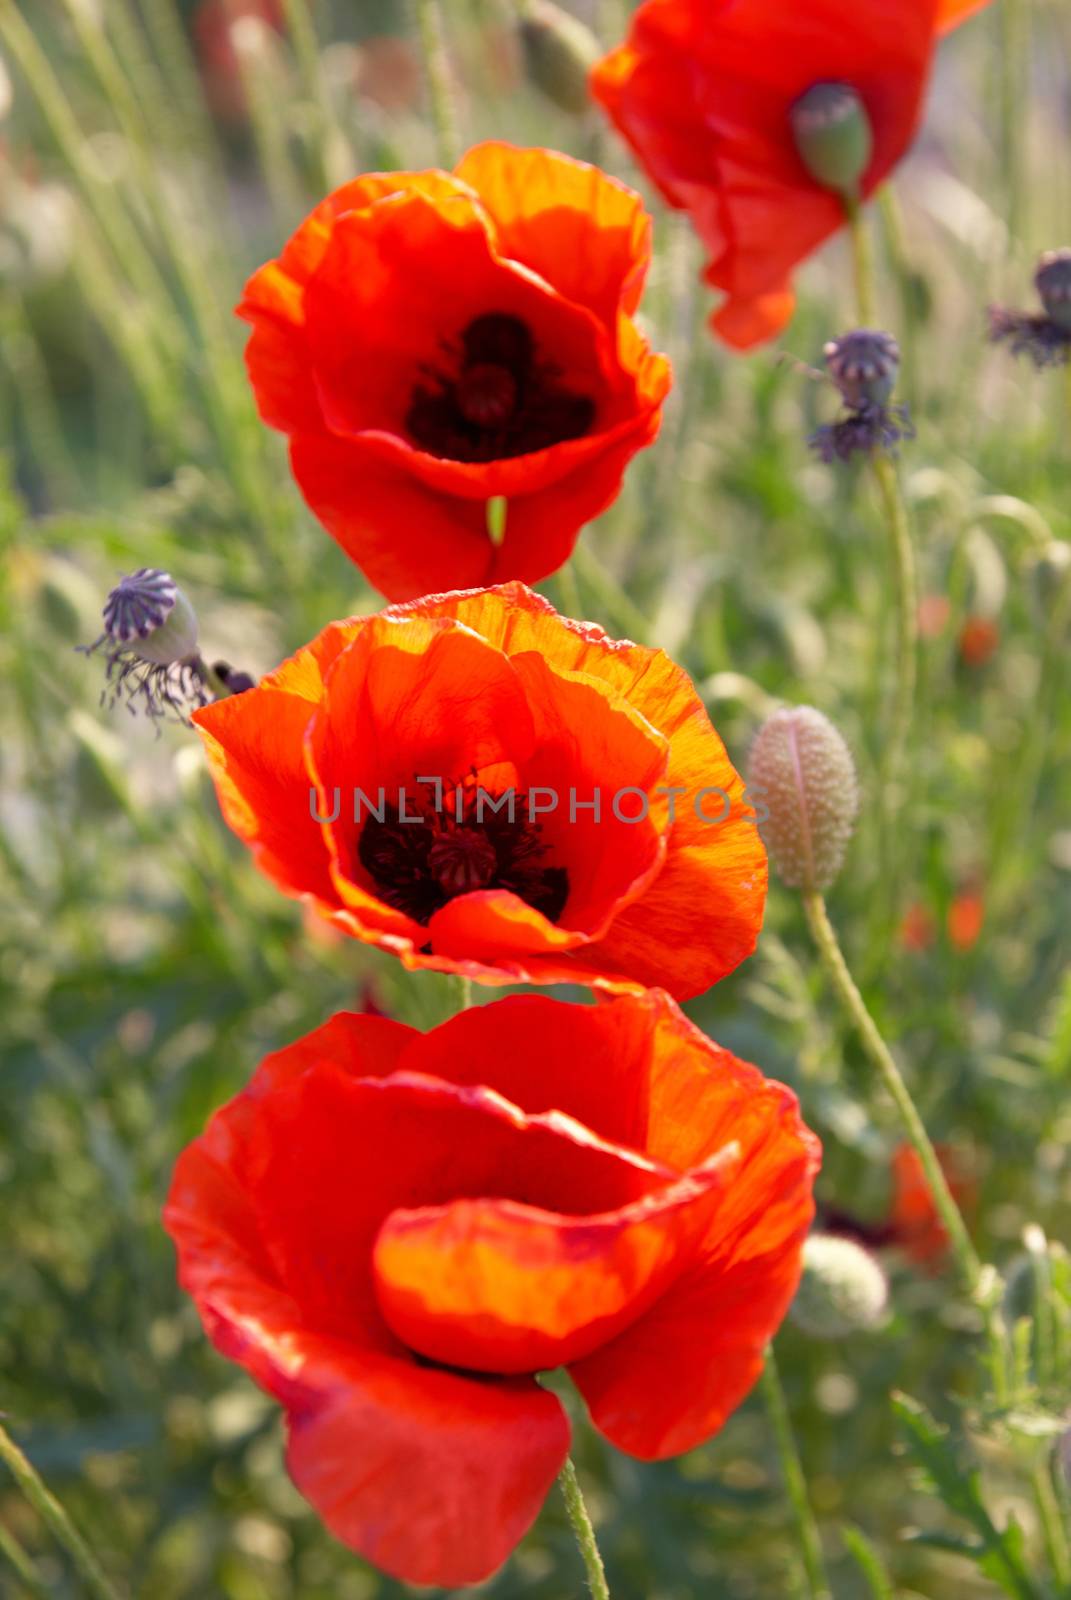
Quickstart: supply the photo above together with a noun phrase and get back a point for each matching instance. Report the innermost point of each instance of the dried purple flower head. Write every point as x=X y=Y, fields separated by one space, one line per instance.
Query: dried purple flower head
x=150 y=635
x=1044 y=336
x=864 y=365
x=1053 y=283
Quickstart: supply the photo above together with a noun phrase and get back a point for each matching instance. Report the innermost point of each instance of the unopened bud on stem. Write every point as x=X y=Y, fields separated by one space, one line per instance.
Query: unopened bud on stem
x=559 y=53
x=833 y=136
x=843 y=1289
x=804 y=770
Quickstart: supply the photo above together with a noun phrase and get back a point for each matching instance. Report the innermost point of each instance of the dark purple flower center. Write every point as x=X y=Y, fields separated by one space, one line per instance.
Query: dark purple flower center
x=494 y=398
x=424 y=854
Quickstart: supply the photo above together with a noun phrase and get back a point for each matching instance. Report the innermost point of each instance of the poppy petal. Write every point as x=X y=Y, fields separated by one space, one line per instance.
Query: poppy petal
x=578 y=229
x=435 y=1478
x=498 y=1286
x=254 y=744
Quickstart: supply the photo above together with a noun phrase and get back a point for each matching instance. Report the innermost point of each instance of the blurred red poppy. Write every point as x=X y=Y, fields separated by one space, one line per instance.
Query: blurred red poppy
x=979 y=639
x=914 y=1224
x=704 y=91
x=433 y=342
x=394 y=1232
x=214 y=23
x=917 y=930
x=481 y=786
x=966 y=918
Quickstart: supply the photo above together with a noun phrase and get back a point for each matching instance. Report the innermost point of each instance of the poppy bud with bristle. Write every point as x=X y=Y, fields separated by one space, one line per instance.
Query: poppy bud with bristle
x=559 y=53
x=1053 y=282
x=864 y=365
x=842 y=1290
x=804 y=772
x=833 y=136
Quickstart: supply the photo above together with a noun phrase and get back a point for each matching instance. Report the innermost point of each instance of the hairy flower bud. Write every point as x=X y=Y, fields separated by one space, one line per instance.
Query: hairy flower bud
x=833 y=136
x=1053 y=282
x=803 y=771
x=843 y=1289
x=863 y=364
x=559 y=53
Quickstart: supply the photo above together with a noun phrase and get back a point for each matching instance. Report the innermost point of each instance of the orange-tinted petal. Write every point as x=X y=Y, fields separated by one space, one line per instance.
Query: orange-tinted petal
x=701 y=916
x=580 y=230
x=950 y=13
x=255 y=747
x=498 y=1286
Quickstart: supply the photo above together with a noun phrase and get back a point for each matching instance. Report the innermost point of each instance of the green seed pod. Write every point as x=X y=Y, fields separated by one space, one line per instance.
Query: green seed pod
x=148 y=615
x=803 y=772
x=1053 y=282
x=559 y=53
x=833 y=136
x=843 y=1289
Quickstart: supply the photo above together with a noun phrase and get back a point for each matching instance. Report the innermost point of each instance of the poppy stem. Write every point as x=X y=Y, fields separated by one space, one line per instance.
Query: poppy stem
x=903 y=556
x=55 y=1519
x=429 y=22
x=795 y=1482
x=582 y=1528
x=971 y=1269
x=464 y=993
x=862 y=262
x=21 y=1564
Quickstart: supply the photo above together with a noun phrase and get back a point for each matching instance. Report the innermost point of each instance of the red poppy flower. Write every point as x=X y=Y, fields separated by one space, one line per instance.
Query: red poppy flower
x=481 y=786
x=704 y=90
x=432 y=341
x=914 y=1223
x=394 y=1232
x=966 y=919
x=979 y=640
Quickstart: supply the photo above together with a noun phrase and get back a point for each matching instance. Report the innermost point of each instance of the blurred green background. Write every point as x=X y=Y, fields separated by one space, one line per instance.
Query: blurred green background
x=150 y=157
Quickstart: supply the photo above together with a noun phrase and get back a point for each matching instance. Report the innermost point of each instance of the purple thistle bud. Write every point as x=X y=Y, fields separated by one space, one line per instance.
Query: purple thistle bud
x=864 y=365
x=1053 y=282
x=1044 y=336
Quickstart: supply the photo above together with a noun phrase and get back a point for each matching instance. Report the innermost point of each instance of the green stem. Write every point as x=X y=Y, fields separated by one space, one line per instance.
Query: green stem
x=896 y=244
x=21 y=1565
x=619 y=606
x=429 y=23
x=862 y=262
x=582 y=1528
x=1014 y=101
x=825 y=938
x=795 y=1483
x=1052 y=1526
x=332 y=142
x=903 y=556
x=55 y=1519
x=569 y=590
x=464 y=993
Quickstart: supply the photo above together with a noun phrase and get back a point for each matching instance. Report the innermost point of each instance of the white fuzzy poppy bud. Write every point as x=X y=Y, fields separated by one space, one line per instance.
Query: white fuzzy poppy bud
x=803 y=772
x=843 y=1289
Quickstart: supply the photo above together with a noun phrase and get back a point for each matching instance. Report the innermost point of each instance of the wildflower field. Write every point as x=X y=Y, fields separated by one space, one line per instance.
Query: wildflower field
x=535 y=799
